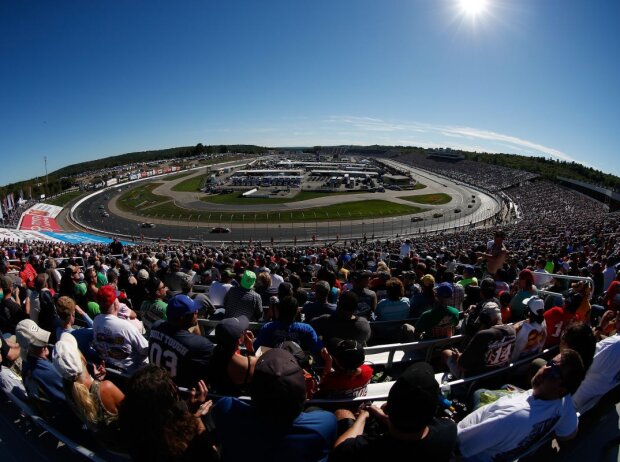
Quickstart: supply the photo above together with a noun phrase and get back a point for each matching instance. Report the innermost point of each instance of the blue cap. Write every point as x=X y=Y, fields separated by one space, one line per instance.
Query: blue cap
x=179 y=306
x=444 y=290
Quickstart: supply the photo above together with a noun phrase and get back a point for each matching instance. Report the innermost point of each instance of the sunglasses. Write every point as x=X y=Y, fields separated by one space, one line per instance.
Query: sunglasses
x=554 y=369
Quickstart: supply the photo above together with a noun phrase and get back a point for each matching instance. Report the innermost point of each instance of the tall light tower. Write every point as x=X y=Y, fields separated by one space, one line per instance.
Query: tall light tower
x=45 y=160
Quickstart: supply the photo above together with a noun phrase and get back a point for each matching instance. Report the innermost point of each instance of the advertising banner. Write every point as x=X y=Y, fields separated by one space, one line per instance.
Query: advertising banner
x=38 y=223
x=44 y=210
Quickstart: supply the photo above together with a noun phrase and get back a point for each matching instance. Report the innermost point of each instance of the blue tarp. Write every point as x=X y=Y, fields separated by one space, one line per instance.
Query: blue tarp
x=79 y=238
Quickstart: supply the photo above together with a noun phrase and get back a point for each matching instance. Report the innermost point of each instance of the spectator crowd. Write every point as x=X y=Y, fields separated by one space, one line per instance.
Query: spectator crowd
x=110 y=337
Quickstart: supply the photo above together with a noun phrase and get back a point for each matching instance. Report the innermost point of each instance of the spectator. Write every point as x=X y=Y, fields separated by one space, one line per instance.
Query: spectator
x=117 y=341
x=242 y=300
x=320 y=306
x=367 y=299
x=558 y=317
x=495 y=254
x=273 y=424
x=343 y=323
x=184 y=355
x=531 y=332
x=43 y=311
x=490 y=348
x=12 y=311
x=409 y=416
x=218 y=289
x=423 y=300
x=154 y=308
x=169 y=431
x=509 y=426
x=441 y=320
x=285 y=327
x=344 y=373
x=230 y=372
x=525 y=289
x=395 y=306
x=94 y=402
x=604 y=373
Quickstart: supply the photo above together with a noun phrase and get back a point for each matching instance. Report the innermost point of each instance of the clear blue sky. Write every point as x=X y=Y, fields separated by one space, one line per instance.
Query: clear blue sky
x=81 y=80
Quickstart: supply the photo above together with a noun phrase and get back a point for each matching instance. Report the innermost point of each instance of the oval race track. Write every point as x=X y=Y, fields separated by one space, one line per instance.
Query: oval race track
x=127 y=225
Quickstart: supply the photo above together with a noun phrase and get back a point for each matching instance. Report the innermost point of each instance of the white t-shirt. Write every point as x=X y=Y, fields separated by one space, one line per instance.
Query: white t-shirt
x=217 y=290
x=602 y=376
x=119 y=343
x=530 y=338
x=503 y=430
x=276 y=280
x=404 y=250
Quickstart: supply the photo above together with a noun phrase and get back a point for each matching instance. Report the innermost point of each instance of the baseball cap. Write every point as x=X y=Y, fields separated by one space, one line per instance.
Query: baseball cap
x=248 y=278
x=348 y=353
x=228 y=273
x=278 y=387
x=143 y=275
x=535 y=304
x=526 y=275
x=28 y=333
x=428 y=280
x=573 y=300
x=468 y=269
x=67 y=359
x=444 y=290
x=412 y=400
x=106 y=296
x=80 y=289
x=179 y=306
x=230 y=329
x=490 y=313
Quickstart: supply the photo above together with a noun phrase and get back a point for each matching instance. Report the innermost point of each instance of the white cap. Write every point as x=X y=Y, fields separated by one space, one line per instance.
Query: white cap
x=67 y=359
x=535 y=304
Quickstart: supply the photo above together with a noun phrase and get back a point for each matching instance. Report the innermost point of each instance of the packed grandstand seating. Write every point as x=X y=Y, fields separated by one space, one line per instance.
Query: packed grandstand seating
x=325 y=302
x=486 y=176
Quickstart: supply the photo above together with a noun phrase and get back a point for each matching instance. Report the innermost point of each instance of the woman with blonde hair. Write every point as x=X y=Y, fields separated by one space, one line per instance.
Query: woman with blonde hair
x=95 y=402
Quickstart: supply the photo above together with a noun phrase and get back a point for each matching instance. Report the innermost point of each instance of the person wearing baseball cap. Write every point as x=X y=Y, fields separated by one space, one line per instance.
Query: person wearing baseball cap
x=171 y=343
x=409 y=416
x=95 y=403
x=218 y=289
x=367 y=299
x=243 y=300
x=531 y=332
x=441 y=319
x=273 y=424
x=490 y=348
x=41 y=381
x=230 y=372
x=118 y=341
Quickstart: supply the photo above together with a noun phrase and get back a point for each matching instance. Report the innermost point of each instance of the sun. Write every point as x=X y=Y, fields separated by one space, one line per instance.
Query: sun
x=473 y=7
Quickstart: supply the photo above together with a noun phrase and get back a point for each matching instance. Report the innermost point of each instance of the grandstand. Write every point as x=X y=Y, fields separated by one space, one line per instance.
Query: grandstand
x=571 y=232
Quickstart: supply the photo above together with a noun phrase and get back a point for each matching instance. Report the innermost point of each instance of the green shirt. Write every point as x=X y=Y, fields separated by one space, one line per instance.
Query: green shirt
x=438 y=322
x=152 y=311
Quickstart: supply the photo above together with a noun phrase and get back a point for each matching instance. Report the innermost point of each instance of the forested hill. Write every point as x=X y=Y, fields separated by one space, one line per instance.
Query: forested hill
x=150 y=156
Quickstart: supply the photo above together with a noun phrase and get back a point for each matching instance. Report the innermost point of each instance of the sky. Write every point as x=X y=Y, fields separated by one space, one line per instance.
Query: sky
x=82 y=80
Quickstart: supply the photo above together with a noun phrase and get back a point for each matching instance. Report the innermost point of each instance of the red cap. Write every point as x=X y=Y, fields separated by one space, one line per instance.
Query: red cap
x=106 y=296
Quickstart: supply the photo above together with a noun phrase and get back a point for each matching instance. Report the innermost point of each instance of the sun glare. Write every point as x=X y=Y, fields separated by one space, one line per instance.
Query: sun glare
x=473 y=7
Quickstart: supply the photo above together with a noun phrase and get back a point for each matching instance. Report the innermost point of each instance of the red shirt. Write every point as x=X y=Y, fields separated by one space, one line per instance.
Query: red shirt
x=556 y=320
x=342 y=385
x=28 y=274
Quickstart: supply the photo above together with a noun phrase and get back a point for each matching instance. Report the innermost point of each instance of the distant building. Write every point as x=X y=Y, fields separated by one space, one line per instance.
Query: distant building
x=396 y=179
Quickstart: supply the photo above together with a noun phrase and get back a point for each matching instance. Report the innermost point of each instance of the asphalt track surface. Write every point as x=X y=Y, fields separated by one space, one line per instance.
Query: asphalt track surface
x=128 y=226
